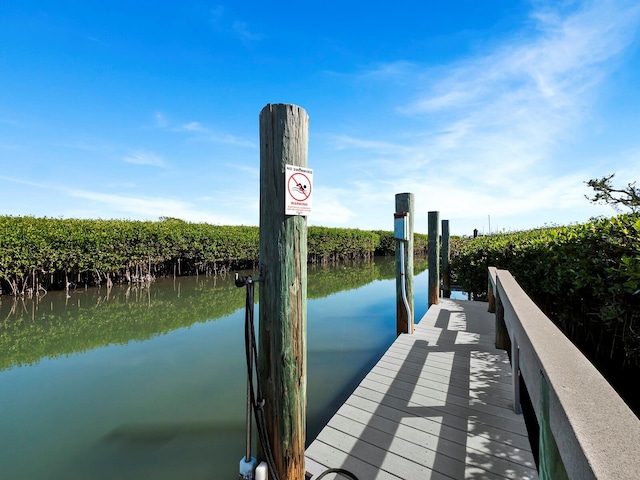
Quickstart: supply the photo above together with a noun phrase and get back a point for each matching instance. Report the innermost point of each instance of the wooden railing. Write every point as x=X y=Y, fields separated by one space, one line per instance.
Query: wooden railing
x=586 y=430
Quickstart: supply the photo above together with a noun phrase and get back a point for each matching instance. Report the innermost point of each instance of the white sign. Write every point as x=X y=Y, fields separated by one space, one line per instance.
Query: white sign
x=298 y=183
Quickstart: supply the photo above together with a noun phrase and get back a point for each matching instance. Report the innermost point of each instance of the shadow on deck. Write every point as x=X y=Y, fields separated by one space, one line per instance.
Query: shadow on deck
x=436 y=406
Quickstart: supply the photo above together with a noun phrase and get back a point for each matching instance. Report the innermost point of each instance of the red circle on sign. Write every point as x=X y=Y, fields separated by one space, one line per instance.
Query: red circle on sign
x=299 y=187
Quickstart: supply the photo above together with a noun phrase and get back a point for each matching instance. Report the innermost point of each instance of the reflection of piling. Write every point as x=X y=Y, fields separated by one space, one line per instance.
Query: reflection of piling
x=433 y=256
x=404 y=205
x=283 y=292
x=446 y=267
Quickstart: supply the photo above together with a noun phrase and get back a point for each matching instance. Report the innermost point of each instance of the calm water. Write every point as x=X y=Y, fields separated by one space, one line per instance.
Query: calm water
x=149 y=382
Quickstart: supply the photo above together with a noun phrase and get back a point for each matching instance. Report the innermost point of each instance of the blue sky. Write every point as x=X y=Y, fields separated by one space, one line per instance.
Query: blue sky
x=493 y=111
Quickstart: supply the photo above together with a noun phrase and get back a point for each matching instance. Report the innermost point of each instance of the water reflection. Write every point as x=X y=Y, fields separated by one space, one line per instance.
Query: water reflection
x=148 y=382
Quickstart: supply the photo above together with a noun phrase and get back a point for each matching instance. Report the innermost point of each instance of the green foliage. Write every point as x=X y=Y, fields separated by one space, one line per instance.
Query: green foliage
x=387 y=244
x=58 y=324
x=585 y=277
x=329 y=244
x=605 y=192
x=42 y=251
x=49 y=253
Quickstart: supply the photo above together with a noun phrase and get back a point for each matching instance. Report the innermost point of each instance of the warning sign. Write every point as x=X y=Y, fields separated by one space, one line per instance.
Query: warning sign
x=299 y=185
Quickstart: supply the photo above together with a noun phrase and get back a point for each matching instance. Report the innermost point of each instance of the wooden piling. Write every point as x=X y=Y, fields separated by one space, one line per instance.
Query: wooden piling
x=446 y=267
x=283 y=291
x=405 y=205
x=433 y=256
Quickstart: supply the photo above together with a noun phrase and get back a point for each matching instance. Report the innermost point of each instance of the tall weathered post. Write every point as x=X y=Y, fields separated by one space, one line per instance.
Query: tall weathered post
x=283 y=292
x=404 y=266
x=433 y=258
x=446 y=267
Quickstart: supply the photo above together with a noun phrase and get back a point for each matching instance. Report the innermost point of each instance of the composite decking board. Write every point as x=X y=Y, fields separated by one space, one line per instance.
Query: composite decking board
x=434 y=393
x=463 y=352
x=478 y=386
x=471 y=397
x=436 y=378
x=430 y=441
x=427 y=407
x=479 y=381
x=413 y=429
x=447 y=428
x=436 y=406
x=412 y=366
x=379 y=456
x=458 y=361
x=329 y=456
x=435 y=336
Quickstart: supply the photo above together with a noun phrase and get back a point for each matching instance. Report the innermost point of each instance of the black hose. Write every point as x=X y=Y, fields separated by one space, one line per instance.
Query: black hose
x=339 y=471
x=251 y=353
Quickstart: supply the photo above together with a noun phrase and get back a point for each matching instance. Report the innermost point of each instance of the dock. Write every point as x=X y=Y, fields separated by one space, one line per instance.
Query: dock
x=437 y=405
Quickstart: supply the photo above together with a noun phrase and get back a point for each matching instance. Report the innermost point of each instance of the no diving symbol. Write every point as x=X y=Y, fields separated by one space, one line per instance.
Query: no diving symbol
x=299 y=187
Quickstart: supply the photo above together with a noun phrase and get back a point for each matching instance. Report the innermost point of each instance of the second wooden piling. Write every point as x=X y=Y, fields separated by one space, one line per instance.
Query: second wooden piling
x=433 y=257
x=446 y=267
x=404 y=324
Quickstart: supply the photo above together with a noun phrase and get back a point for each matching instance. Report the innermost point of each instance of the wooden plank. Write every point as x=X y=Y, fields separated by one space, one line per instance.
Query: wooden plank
x=445 y=427
x=372 y=454
x=460 y=362
x=328 y=456
x=429 y=406
x=431 y=440
x=437 y=405
x=411 y=384
x=388 y=366
x=429 y=456
x=434 y=390
x=503 y=398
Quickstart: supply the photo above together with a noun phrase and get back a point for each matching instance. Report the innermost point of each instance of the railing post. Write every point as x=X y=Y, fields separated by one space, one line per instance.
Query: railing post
x=433 y=258
x=446 y=267
x=515 y=375
x=405 y=206
x=502 y=339
x=490 y=295
x=283 y=291
x=551 y=466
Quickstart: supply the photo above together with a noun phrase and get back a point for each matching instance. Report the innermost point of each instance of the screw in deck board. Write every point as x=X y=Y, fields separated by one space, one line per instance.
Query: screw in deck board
x=283 y=292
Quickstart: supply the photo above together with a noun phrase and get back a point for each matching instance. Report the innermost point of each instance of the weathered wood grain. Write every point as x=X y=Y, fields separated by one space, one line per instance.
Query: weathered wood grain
x=433 y=257
x=283 y=291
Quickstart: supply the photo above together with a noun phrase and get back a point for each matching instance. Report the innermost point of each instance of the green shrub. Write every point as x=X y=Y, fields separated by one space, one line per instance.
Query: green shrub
x=585 y=277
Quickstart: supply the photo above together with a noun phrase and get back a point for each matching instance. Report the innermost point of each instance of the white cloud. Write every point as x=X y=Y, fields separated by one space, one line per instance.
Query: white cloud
x=160 y=119
x=241 y=29
x=328 y=207
x=250 y=172
x=207 y=134
x=145 y=158
x=192 y=127
x=96 y=204
x=225 y=24
x=487 y=130
x=147 y=207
